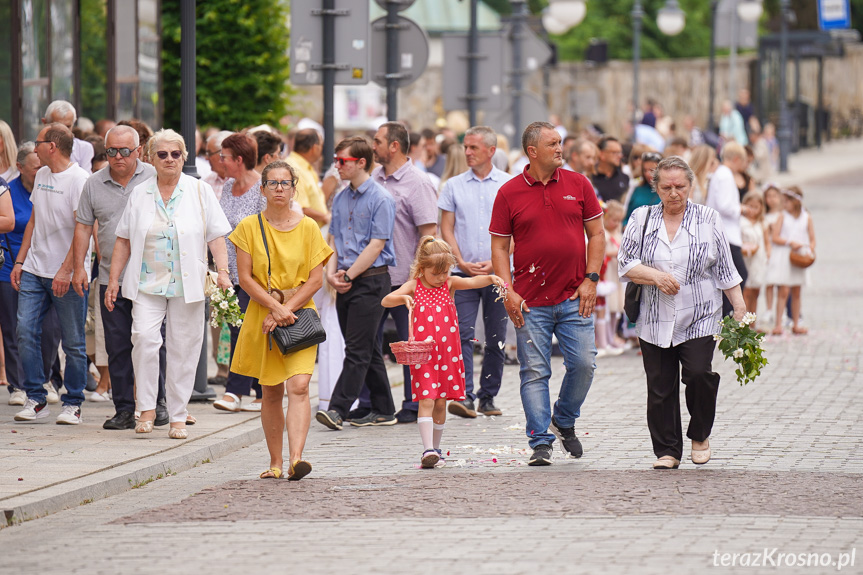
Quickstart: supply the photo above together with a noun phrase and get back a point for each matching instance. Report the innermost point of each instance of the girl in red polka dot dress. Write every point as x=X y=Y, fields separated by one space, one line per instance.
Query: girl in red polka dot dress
x=430 y=297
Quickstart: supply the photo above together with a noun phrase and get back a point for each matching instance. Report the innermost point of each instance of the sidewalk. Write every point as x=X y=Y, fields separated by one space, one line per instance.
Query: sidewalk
x=833 y=159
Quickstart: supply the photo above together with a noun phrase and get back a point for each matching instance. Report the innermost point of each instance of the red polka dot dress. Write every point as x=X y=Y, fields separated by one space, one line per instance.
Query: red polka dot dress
x=434 y=315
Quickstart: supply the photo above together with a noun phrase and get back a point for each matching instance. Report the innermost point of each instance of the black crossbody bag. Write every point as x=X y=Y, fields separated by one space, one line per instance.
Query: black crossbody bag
x=632 y=299
x=306 y=331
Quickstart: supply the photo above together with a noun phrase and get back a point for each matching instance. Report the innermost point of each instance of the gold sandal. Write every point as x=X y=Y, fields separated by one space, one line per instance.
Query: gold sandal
x=274 y=473
x=178 y=433
x=143 y=426
x=299 y=469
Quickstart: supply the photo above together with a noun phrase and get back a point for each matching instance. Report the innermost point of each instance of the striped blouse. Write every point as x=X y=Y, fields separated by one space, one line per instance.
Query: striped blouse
x=699 y=259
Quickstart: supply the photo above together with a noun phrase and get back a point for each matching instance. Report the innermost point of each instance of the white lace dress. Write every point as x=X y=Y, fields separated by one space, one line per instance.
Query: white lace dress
x=782 y=273
x=756 y=264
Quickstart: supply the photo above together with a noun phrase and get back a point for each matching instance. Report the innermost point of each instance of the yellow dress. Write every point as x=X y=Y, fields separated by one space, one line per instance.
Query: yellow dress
x=294 y=254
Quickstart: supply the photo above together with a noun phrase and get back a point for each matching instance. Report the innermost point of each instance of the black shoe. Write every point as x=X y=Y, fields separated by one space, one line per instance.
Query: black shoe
x=358 y=413
x=161 y=415
x=218 y=380
x=329 y=418
x=487 y=407
x=541 y=455
x=567 y=438
x=510 y=360
x=463 y=408
x=406 y=416
x=121 y=420
x=374 y=419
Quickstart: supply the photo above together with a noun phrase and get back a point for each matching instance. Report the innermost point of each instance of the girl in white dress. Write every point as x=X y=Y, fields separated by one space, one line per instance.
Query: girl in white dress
x=755 y=249
x=774 y=202
x=793 y=230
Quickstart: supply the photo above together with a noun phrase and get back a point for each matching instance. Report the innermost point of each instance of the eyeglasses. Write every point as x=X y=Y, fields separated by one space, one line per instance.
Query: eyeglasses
x=651 y=157
x=223 y=156
x=163 y=155
x=343 y=161
x=286 y=184
x=125 y=152
x=37 y=142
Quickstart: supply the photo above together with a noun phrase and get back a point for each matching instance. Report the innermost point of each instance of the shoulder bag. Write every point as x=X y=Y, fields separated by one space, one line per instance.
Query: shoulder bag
x=632 y=299
x=306 y=331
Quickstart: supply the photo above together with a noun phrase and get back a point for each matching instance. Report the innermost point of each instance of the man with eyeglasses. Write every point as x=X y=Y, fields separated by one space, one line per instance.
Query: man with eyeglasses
x=609 y=181
x=42 y=273
x=103 y=200
x=218 y=176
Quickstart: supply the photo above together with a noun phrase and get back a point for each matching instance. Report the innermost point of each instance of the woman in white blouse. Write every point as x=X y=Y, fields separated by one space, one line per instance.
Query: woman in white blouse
x=683 y=260
x=163 y=234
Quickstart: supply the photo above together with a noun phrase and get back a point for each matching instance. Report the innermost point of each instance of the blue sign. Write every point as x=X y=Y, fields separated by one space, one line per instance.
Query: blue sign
x=834 y=14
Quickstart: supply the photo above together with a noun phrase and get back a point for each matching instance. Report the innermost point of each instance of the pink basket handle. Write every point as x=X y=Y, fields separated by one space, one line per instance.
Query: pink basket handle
x=410 y=324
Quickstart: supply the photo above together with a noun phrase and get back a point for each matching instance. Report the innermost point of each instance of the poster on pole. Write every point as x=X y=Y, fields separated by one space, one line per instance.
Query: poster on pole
x=834 y=14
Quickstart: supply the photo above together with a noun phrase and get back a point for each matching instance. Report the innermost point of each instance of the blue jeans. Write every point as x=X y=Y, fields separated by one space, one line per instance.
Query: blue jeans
x=494 y=319
x=35 y=298
x=575 y=334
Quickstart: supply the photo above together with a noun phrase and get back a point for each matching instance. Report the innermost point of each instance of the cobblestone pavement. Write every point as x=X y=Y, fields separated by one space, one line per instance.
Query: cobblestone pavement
x=785 y=477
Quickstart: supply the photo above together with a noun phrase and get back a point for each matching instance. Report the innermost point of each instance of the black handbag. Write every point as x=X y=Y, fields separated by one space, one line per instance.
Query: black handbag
x=632 y=298
x=306 y=331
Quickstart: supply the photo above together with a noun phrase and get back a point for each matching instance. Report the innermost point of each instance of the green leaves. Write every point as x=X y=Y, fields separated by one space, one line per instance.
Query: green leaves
x=743 y=345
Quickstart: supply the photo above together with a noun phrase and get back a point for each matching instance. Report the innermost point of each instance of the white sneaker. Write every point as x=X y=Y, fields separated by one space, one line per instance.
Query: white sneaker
x=32 y=411
x=17 y=397
x=53 y=396
x=99 y=397
x=71 y=415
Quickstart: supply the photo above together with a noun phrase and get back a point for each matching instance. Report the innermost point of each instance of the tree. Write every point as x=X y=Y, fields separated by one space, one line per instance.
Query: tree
x=242 y=62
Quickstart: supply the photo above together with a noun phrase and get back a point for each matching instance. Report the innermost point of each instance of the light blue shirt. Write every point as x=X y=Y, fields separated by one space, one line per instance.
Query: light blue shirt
x=359 y=216
x=471 y=200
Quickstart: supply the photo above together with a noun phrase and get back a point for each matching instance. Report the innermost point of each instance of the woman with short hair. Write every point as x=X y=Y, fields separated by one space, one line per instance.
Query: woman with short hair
x=169 y=222
x=678 y=252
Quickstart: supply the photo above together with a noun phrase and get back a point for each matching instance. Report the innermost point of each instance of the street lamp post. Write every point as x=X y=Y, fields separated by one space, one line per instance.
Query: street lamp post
x=784 y=132
x=519 y=15
x=637 y=16
x=472 y=64
x=711 y=120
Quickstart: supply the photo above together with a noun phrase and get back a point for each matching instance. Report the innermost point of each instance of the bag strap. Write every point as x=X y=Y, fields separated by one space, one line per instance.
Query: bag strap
x=643 y=232
x=267 y=249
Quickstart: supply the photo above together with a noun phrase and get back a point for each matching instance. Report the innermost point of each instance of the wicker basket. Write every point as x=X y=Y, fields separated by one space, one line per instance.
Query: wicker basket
x=412 y=352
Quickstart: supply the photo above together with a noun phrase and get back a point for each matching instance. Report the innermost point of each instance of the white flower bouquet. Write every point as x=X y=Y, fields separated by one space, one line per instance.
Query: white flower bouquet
x=224 y=307
x=737 y=340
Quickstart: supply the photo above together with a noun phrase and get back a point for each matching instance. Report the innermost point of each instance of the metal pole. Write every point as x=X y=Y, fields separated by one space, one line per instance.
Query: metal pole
x=472 y=64
x=711 y=120
x=519 y=15
x=392 y=59
x=329 y=82
x=732 y=55
x=188 y=88
x=637 y=16
x=784 y=132
x=819 y=112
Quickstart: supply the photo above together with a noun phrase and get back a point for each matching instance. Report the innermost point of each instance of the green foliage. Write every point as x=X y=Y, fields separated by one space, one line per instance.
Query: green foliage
x=743 y=344
x=242 y=62
x=94 y=58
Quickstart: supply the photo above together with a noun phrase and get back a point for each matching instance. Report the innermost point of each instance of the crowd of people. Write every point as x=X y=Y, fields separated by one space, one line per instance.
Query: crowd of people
x=106 y=235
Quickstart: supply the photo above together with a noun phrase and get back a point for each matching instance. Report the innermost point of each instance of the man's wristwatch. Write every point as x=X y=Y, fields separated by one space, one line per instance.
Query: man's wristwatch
x=347 y=278
x=594 y=277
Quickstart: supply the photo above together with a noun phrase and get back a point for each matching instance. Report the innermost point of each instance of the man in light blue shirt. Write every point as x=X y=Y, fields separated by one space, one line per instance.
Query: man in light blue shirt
x=466 y=202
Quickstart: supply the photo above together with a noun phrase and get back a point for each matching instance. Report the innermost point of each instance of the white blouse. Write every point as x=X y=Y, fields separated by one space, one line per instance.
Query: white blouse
x=699 y=259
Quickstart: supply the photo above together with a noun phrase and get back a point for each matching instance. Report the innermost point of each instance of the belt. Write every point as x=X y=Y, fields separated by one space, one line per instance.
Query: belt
x=376 y=271
x=283 y=295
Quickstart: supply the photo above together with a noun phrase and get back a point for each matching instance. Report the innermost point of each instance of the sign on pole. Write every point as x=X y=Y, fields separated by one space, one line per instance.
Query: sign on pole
x=413 y=51
x=351 y=42
x=490 y=71
x=834 y=14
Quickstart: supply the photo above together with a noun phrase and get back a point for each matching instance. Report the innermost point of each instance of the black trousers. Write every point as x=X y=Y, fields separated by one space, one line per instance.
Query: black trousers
x=50 y=340
x=663 y=368
x=737 y=258
x=360 y=312
x=118 y=345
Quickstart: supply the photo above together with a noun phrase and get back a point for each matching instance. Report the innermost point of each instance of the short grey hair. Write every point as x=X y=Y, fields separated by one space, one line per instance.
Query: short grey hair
x=672 y=163
x=124 y=130
x=219 y=137
x=489 y=137
x=167 y=136
x=532 y=133
x=61 y=109
x=24 y=150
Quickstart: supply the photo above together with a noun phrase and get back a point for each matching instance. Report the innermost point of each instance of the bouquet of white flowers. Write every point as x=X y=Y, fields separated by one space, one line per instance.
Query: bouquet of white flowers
x=224 y=307
x=742 y=343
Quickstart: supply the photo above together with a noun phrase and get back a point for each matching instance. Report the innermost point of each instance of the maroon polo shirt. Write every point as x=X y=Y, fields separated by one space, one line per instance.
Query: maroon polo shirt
x=546 y=222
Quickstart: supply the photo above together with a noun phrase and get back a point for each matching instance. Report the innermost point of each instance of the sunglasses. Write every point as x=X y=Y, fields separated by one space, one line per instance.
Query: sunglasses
x=125 y=152
x=342 y=161
x=286 y=184
x=163 y=155
x=651 y=157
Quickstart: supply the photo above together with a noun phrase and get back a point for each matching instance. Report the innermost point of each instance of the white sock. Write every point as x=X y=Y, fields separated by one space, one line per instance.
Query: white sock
x=425 y=424
x=438 y=432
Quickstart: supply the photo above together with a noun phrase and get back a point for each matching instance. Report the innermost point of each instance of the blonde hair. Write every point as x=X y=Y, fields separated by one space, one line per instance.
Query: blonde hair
x=614 y=207
x=167 y=136
x=756 y=195
x=10 y=148
x=456 y=162
x=699 y=160
x=434 y=254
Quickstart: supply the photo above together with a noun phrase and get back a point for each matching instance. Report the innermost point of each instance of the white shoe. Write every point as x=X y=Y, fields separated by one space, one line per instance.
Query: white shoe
x=71 y=415
x=32 y=411
x=601 y=352
x=17 y=397
x=252 y=406
x=53 y=396
x=99 y=397
x=613 y=350
x=234 y=404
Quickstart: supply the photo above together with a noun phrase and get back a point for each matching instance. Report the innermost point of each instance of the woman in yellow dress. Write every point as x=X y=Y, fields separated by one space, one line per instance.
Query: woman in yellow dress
x=297 y=257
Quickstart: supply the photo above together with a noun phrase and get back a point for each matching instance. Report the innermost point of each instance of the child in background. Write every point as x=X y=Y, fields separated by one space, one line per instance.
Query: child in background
x=793 y=230
x=773 y=201
x=429 y=296
x=609 y=293
x=755 y=248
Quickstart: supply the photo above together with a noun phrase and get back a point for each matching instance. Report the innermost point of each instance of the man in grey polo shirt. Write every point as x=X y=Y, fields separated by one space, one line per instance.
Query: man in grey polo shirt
x=103 y=199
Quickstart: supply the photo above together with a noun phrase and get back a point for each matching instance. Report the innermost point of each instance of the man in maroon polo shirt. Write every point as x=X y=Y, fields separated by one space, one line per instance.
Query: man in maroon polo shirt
x=547 y=211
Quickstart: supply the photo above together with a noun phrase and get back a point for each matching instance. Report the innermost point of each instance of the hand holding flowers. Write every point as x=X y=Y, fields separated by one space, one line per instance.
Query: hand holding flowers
x=224 y=307
x=737 y=340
